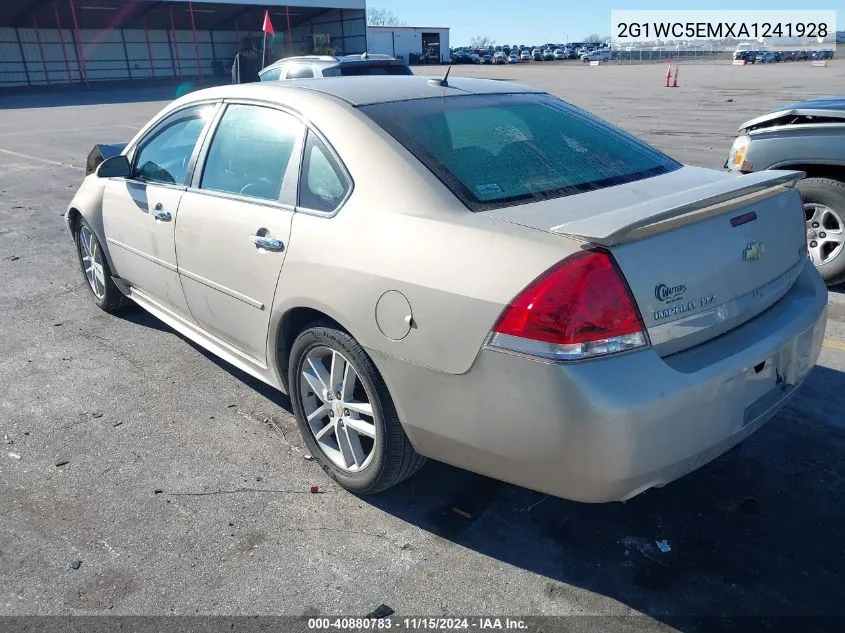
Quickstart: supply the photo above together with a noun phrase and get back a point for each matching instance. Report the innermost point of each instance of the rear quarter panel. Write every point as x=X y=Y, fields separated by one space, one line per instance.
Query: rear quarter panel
x=402 y=230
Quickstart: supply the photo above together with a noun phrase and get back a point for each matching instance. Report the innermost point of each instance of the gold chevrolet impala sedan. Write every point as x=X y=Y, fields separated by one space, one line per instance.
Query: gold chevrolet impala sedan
x=471 y=271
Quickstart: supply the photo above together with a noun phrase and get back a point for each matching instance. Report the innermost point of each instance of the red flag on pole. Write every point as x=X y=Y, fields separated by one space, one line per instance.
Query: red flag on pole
x=268 y=25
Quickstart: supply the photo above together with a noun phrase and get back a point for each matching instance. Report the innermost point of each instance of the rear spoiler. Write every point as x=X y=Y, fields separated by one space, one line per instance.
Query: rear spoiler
x=659 y=215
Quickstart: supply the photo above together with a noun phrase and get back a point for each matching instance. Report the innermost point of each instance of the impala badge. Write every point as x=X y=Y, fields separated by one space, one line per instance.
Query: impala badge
x=753 y=251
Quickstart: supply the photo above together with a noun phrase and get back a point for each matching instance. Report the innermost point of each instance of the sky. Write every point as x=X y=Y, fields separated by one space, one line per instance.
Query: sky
x=541 y=21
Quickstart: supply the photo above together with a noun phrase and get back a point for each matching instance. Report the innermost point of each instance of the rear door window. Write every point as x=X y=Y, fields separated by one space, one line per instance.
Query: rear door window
x=251 y=151
x=273 y=74
x=300 y=72
x=323 y=184
x=364 y=69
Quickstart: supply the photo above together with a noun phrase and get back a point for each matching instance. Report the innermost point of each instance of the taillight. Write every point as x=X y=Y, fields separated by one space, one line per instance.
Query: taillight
x=579 y=308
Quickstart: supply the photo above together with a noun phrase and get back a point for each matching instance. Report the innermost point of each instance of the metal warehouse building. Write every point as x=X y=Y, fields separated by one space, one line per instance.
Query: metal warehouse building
x=54 y=42
x=411 y=43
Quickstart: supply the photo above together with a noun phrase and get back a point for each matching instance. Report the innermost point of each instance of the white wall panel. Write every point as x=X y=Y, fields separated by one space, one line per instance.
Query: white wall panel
x=50 y=55
x=13 y=71
x=56 y=58
x=140 y=54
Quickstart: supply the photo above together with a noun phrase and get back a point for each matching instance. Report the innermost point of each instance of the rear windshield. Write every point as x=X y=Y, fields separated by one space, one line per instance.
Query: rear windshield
x=499 y=150
x=357 y=70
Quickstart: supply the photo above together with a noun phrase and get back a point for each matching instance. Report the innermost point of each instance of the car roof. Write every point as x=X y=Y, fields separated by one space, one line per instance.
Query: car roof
x=366 y=90
x=332 y=60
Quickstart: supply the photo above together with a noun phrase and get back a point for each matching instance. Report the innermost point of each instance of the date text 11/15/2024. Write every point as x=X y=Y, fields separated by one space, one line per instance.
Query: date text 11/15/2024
x=416 y=624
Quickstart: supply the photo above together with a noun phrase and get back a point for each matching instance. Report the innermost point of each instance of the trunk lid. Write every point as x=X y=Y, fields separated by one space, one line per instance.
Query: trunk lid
x=702 y=251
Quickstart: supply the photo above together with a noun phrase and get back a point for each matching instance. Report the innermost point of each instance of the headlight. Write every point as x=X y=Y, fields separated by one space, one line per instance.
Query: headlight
x=736 y=159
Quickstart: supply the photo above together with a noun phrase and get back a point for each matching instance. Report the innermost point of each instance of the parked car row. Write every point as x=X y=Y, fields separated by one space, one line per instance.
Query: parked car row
x=770 y=57
x=588 y=53
x=523 y=54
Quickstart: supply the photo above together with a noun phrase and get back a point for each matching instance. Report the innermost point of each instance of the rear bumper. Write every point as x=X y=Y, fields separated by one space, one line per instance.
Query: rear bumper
x=609 y=429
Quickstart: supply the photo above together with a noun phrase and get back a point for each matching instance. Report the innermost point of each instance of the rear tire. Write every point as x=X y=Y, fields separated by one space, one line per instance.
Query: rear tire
x=376 y=463
x=824 y=205
x=95 y=269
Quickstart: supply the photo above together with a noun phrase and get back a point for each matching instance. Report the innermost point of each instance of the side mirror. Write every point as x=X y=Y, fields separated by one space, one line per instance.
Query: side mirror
x=115 y=167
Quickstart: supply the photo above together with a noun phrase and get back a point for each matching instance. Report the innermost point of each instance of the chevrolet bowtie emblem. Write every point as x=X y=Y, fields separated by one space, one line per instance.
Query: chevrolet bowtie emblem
x=753 y=251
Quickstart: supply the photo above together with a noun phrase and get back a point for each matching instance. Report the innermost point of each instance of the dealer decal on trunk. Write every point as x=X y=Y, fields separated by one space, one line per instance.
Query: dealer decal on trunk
x=675 y=296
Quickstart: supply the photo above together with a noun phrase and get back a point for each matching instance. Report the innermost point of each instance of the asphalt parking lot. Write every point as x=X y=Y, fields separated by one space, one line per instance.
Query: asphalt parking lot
x=184 y=488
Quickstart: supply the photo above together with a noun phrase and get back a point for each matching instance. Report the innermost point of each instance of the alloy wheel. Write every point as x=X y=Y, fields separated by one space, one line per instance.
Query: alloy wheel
x=825 y=235
x=338 y=409
x=92 y=261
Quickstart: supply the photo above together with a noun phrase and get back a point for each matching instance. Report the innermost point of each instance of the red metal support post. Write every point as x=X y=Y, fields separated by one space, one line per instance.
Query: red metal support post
x=40 y=50
x=149 y=49
x=175 y=43
x=80 y=54
x=62 y=41
x=196 y=41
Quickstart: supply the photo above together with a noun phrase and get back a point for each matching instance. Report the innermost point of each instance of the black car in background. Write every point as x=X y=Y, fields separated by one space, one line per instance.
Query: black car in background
x=462 y=57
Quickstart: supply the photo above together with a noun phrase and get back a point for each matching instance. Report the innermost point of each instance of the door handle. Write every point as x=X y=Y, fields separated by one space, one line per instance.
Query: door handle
x=161 y=214
x=267 y=243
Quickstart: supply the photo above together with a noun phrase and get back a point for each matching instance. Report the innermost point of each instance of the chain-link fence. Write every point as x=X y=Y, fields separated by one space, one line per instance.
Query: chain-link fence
x=686 y=55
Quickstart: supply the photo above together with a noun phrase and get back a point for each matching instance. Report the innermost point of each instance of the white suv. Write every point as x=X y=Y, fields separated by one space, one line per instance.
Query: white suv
x=309 y=66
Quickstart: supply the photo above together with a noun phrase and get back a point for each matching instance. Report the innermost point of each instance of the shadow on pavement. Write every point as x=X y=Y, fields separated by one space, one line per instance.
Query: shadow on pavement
x=755 y=533
x=139 y=316
x=101 y=95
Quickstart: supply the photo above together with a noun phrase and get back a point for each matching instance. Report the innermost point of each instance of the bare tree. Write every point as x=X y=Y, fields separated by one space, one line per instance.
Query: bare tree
x=593 y=38
x=482 y=41
x=383 y=17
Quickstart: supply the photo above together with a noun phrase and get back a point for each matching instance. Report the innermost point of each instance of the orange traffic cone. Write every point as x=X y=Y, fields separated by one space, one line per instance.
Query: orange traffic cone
x=668 y=75
x=675 y=82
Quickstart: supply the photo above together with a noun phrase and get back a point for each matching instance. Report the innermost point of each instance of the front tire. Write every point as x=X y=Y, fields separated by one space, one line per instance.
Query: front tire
x=95 y=269
x=824 y=214
x=345 y=412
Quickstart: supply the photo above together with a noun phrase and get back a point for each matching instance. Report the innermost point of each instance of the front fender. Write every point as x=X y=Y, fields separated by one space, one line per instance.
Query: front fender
x=785 y=146
x=88 y=203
